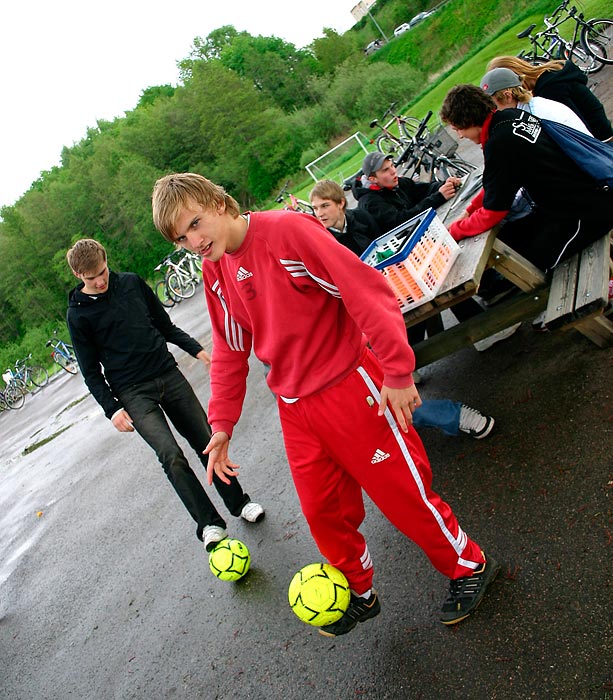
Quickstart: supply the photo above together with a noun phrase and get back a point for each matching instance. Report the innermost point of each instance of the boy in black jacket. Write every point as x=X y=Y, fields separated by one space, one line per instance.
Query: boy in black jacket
x=392 y=200
x=117 y=323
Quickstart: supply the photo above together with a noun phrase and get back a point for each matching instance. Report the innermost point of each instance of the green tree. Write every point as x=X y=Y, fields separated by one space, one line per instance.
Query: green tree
x=275 y=67
x=207 y=49
x=333 y=49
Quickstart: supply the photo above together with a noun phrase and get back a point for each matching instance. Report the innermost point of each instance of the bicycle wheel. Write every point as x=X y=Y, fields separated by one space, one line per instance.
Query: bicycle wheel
x=389 y=146
x=597 y=39
x=161 y=291
x=19 y=384
x=451 y=167
x=409 y=126
x=68 y=364
x=184 y=289
x=304 y=207
x=587 y=62
x=13 y=397
x=38 y=375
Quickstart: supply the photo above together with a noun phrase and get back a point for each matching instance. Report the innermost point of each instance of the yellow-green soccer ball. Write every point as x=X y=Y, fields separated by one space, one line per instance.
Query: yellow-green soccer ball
x=319 y=594
x=230 y=560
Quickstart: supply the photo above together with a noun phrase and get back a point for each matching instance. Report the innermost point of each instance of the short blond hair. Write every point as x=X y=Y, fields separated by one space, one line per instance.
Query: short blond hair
x=328 y=189
x=174 y=192
x=518 y=93
x=86 y=256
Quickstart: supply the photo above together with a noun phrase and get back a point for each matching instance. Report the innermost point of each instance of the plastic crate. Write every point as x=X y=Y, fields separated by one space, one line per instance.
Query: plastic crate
x=415 y=258
x=443 y=142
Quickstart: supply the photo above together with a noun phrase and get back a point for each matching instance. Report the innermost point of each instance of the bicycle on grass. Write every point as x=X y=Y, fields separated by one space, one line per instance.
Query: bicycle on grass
x=587 y=48
x=435 y=158
x=63 y=354
x=410 y=148
x=389 y=143
x=292 y=203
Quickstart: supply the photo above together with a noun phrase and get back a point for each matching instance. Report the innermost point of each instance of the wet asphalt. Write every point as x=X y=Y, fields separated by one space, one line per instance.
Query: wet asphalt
x=105 y=592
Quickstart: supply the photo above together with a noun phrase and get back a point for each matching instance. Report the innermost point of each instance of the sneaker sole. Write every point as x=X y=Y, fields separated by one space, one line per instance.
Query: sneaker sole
x=210 y=546
x=486 y=431
x=376 y=609
x=495 y=572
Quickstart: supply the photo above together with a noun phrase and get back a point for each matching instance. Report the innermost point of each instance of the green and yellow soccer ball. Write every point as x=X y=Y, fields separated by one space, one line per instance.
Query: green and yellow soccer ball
x=230 y=560
x=319 y=594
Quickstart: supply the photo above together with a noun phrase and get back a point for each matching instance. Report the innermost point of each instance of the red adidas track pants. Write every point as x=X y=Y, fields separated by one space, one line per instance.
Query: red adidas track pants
x=336 y=446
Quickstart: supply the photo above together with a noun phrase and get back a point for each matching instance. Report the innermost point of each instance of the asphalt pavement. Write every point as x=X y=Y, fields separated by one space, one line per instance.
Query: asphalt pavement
x=105 y=592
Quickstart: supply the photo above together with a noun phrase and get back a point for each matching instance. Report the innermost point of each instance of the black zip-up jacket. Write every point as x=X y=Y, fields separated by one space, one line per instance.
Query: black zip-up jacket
x=571 y=209
x=392 y=207
x=361 y=231
x=569 y=86
x=125 y=331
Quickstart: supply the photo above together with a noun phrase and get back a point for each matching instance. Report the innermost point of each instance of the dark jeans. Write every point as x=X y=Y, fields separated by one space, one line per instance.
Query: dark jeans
x=171 y=396
x=545 y=240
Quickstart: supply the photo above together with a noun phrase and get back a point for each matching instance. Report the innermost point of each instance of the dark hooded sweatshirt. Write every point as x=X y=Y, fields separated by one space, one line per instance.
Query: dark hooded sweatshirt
x=125 y=331
x=569 y=86
x=392 y=207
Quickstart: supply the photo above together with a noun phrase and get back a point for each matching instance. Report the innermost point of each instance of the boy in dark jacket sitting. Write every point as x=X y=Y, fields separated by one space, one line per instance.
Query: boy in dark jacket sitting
x=392 y=200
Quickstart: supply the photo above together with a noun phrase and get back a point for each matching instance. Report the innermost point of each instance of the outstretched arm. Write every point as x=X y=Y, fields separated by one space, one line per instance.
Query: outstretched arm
x=219 y=462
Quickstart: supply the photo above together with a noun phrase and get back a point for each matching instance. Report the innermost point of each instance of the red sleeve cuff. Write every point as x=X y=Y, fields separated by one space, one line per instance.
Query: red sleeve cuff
x=222 y=426
x=478 y=222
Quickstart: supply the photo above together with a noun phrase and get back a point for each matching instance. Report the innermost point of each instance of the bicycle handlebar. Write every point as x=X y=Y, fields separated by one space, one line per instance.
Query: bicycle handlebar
x=422 y=126
x=389 y=110
x=416 y=136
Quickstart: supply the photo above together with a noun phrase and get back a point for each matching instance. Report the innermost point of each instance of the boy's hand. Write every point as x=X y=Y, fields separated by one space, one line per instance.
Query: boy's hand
x=219 y=463
x=402 y=402
x=204 y=357
x=450 y=187
x=122 y=421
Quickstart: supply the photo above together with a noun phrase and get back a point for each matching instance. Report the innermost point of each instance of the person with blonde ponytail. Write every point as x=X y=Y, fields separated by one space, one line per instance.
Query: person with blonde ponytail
x=563 y=82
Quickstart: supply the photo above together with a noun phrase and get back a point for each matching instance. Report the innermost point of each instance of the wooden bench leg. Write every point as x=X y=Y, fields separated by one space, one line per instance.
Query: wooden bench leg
x=599 y=329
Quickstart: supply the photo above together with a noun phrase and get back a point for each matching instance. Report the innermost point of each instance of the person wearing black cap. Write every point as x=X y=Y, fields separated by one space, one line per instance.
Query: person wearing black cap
x=505 y=88
x=563 y=82
x=392 y=200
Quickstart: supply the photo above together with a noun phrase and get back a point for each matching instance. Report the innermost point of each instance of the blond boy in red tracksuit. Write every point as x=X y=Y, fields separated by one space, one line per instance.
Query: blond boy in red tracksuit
x=279 y=282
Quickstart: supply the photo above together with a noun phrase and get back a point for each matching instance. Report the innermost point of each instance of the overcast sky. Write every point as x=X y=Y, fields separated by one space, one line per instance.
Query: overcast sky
x=68 y=63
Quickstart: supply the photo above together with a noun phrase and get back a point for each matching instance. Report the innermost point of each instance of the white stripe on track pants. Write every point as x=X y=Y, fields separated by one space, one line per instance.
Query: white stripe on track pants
x=331 y=439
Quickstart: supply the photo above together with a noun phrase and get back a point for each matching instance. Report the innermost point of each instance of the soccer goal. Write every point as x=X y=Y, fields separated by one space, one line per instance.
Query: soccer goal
x=340 y=162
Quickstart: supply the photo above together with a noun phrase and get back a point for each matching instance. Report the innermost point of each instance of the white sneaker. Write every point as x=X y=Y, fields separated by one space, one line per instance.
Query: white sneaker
x=487 y=343
x=211 y=535
x=474 y=423
x=252 y=512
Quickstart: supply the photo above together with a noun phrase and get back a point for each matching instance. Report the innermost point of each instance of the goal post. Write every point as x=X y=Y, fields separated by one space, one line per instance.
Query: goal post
x=341 y=161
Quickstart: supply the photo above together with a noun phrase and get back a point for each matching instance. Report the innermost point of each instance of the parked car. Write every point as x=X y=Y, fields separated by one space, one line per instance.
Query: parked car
x=373 y=46
x=420 y=18
x=401 y=29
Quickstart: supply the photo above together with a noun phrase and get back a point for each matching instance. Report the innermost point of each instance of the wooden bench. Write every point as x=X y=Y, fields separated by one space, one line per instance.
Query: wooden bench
x=579 y=293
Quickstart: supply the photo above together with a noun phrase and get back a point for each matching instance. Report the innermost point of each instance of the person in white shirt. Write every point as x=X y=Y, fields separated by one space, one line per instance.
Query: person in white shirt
x=505 y=88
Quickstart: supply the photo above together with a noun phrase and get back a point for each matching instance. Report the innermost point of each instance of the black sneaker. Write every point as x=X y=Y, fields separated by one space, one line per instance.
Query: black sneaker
x=359 y=610
x=466 y=593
